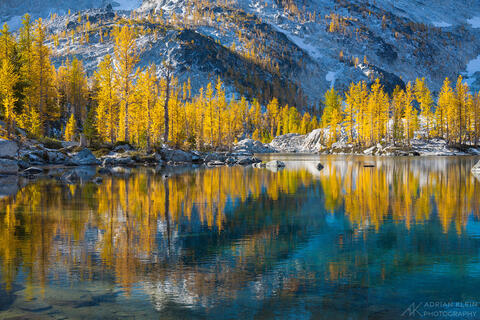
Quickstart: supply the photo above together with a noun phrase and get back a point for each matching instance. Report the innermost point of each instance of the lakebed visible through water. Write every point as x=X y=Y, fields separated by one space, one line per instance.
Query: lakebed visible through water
x=365 y=237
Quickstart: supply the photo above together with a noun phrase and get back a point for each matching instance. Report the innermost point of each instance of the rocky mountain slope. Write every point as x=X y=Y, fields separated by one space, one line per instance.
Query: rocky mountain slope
x=291 y=49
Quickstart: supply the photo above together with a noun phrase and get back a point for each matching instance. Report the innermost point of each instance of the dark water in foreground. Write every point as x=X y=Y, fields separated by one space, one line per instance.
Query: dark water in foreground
x=348 y=242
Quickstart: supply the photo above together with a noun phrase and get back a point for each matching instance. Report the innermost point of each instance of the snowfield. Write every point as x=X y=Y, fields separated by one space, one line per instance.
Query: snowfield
x=441 y=24
x=475 y=22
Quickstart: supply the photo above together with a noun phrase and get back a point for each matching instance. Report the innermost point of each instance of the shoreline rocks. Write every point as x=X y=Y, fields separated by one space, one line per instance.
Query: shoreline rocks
x=8 y=149
x=8 y=153
x=83 y=158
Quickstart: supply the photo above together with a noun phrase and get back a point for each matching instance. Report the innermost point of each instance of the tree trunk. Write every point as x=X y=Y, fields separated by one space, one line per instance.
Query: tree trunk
x=166 y=116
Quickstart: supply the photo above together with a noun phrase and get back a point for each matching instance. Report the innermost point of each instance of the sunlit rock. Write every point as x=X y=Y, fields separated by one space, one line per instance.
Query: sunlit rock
x=252 y=146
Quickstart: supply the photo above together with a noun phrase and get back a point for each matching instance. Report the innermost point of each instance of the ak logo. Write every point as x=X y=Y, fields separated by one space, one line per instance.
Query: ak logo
x=412 y=310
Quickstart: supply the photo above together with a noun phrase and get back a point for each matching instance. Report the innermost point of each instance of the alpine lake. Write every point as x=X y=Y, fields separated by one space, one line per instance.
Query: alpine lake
x=362 y=238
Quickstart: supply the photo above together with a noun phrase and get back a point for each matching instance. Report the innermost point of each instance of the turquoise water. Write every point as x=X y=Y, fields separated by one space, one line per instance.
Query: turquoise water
x=364 y=238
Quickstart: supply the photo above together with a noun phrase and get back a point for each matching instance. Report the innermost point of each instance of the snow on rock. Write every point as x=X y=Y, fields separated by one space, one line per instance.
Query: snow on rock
x=474 y=22
x=331 y=77
x=126 y=4
x=441 y=24
x=473 y=66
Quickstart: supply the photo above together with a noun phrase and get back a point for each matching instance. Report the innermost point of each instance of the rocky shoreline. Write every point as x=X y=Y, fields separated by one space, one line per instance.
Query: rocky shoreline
x=21 y=162
x=19 y=158
x=314 y=142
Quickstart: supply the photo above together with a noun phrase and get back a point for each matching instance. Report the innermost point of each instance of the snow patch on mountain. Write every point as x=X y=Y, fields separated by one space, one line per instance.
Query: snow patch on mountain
x=14 y=23
x=441 y=24
x=475 y=22
x=331 y=77
x=309 y=48
x=126 y=4
x=472 y=68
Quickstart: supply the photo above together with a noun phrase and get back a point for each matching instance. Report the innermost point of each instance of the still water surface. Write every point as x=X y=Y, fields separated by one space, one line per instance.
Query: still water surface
x=346 y=242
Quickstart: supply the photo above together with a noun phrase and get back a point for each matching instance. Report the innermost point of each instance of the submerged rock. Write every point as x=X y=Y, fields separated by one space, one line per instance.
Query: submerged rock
x=8 y=149
x=7 y=298
x=33 y=305
x=319 y=166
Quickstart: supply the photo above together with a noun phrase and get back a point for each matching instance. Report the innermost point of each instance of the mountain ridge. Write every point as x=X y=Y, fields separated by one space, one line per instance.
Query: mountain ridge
x=304 y=47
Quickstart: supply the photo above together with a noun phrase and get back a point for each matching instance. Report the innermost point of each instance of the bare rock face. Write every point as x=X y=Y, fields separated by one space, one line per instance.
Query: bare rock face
x=293 y=142
x=8 y=149
x=313 y=141
x=252 y=146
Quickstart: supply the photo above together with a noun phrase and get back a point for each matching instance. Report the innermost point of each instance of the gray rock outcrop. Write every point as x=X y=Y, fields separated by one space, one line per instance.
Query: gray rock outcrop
x=84 y=157
x=176 y=155
x=252 y=146
x=8 y=149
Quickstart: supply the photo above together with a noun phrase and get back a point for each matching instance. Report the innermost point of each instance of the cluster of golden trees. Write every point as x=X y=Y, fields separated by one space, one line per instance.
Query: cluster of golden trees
x=124 y=102
x=368 y=116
